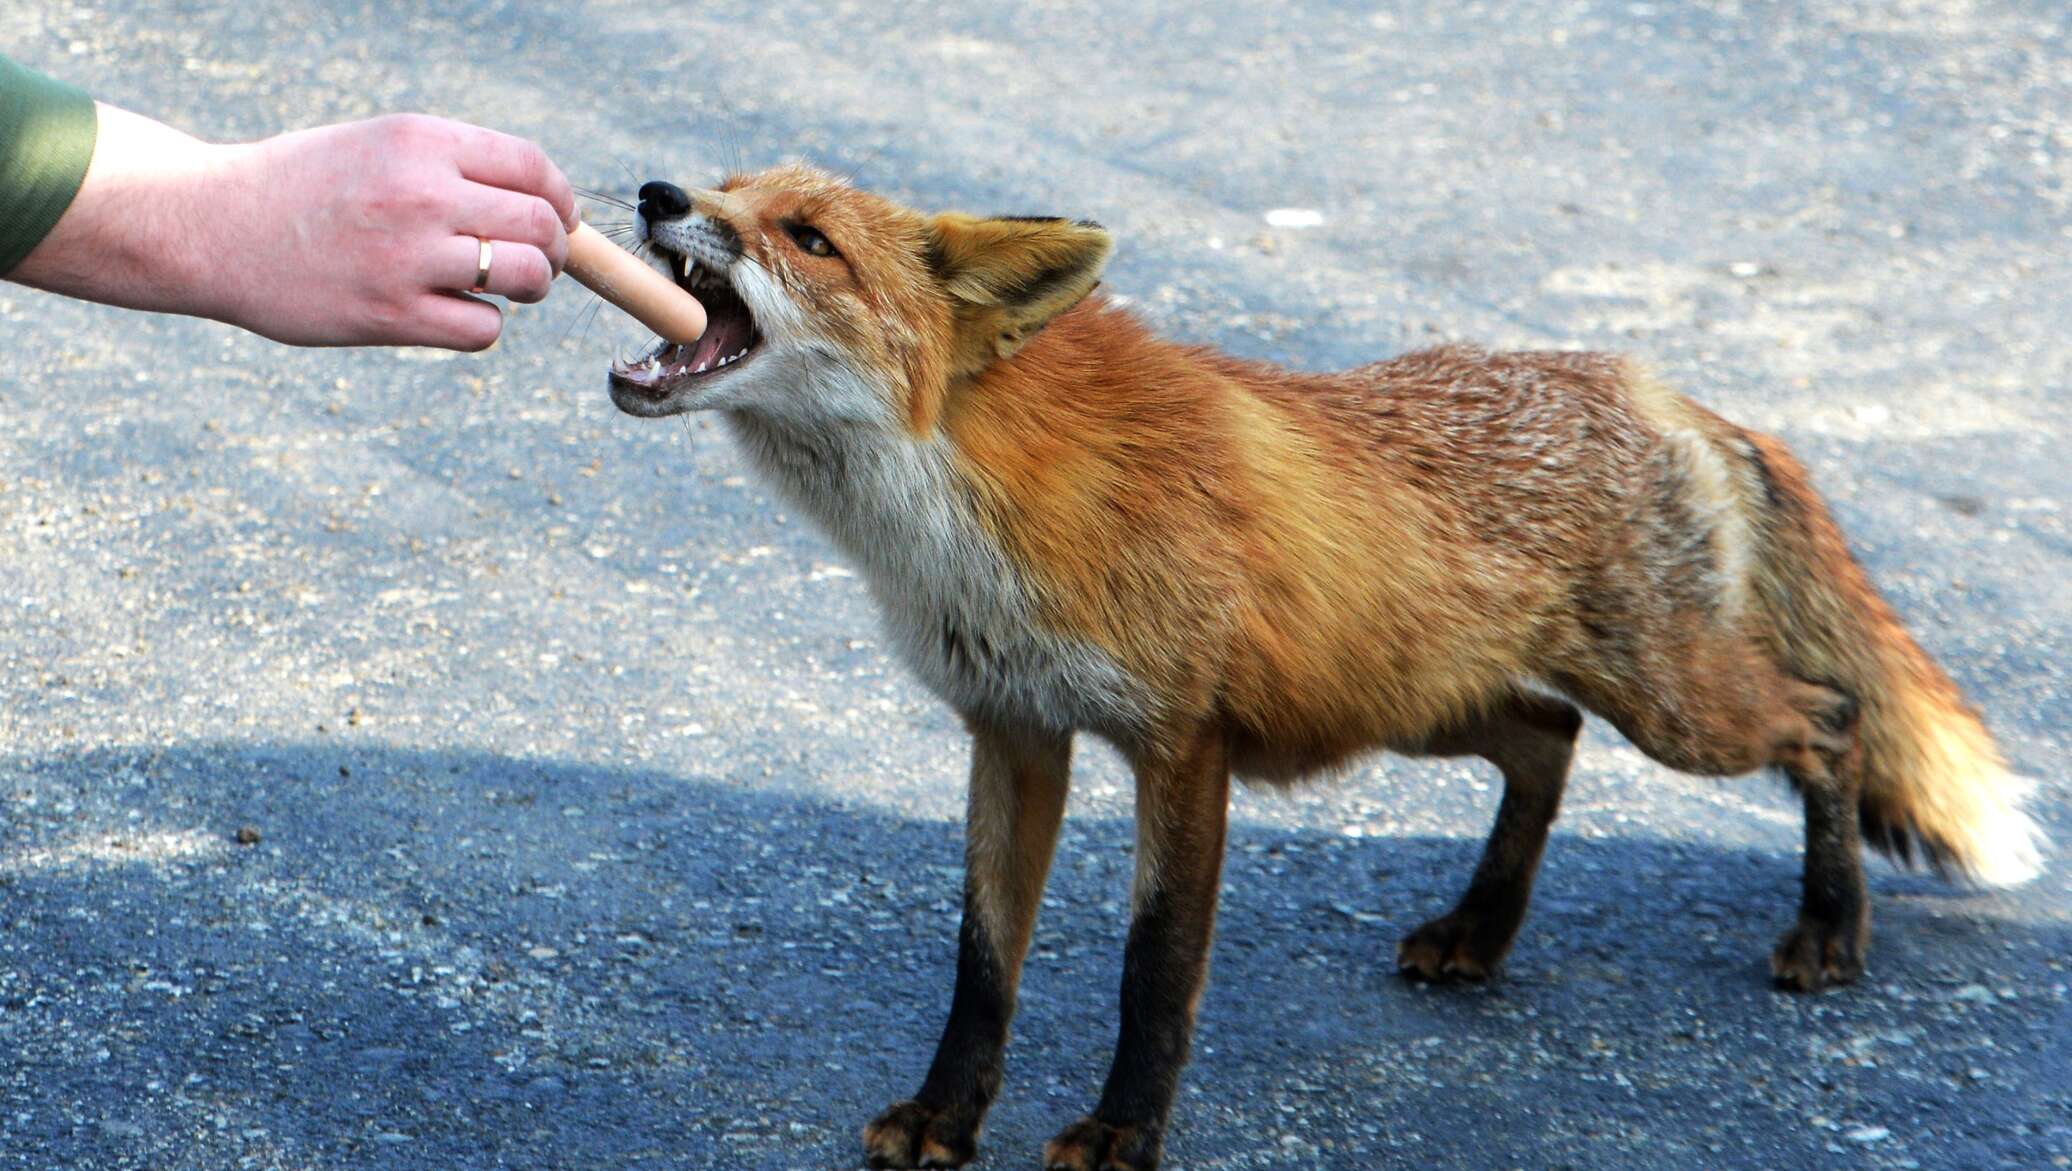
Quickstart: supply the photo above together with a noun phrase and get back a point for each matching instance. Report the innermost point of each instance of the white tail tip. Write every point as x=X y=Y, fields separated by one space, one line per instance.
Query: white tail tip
x=2006 y=847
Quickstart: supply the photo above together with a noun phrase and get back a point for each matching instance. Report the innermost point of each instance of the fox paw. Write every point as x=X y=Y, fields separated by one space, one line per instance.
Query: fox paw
x=1813 y=955
x=1454 y=947
x=909 y=1134
x=1092 y=1145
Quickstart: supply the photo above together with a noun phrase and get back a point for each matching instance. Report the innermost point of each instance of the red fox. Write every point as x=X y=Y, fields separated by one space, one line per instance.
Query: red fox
x=1226 y=568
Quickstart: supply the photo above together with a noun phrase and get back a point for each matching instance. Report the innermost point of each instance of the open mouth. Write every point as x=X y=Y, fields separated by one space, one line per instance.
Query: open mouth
x=730 y=338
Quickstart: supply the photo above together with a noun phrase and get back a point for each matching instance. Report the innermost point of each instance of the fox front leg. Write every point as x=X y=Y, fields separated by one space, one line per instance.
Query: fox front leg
x=1183 y=799
x=1018 y=785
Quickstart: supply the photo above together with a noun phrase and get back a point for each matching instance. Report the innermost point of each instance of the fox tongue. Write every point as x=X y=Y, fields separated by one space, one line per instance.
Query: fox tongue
x=723 y=338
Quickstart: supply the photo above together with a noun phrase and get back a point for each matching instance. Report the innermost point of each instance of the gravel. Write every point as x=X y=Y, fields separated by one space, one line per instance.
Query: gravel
x=411 y=763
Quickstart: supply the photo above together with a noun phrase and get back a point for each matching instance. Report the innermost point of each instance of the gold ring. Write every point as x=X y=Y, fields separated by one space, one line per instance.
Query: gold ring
x=481 y=266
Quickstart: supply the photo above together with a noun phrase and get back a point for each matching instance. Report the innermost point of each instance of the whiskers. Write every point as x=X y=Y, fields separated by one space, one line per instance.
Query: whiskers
x=624 y=233
x=605 y=197
x=585 y=317
x=690 y=440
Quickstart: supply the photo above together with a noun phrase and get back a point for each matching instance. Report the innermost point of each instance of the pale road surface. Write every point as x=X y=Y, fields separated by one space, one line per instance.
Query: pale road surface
x=598 y=831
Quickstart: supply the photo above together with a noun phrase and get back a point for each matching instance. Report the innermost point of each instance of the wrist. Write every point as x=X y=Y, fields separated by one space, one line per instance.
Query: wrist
x=205 y=204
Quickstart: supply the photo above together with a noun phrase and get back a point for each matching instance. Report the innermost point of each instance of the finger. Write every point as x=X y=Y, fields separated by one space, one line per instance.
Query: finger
x=499 y=214
x=504 y=160
x=518 y=271
x=452 y=321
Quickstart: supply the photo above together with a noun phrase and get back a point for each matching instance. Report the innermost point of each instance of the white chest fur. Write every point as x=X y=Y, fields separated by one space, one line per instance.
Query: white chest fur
x=954 y=607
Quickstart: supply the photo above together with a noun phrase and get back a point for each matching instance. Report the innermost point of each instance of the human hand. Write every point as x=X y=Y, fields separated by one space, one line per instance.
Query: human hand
x=363 y=233
x=366 y=233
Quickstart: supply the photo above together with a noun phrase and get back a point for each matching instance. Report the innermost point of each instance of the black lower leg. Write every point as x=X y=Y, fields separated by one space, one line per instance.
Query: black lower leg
x=1531 y=743
x=966 y=1071
x=1182 y=807
x=1162 y=973
x=1502 y=886
x=1828 y=943
x=939 y=1125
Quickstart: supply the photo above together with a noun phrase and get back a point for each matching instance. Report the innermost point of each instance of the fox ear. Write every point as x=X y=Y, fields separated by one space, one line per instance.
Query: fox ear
x=1015 y=273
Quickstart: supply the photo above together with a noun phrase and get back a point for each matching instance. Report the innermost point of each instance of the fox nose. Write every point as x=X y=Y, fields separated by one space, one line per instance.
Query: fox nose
x=662 y=201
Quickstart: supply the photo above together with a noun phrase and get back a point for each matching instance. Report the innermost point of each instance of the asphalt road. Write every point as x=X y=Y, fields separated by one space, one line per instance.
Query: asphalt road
x=595 y=829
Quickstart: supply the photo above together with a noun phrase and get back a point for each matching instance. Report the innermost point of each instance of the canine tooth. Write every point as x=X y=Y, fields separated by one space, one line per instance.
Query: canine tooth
x=686 y=261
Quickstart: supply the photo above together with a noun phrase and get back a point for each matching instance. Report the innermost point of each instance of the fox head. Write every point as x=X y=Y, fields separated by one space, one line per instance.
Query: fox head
x=826 y=303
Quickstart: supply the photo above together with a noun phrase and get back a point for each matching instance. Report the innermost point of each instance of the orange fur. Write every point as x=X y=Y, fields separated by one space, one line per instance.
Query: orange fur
x=1206 y=523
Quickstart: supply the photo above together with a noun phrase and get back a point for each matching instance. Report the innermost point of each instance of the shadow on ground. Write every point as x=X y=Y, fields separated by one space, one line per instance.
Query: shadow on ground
x=446 y=960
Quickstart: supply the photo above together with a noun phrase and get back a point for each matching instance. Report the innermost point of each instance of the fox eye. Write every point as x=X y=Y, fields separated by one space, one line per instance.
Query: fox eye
x=810 y=240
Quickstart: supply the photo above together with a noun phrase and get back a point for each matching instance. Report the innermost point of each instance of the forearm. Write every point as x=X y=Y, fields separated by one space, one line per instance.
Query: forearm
x=147 y=217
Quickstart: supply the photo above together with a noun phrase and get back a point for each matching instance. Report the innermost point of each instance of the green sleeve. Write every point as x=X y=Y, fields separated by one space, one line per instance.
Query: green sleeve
x=46 y=139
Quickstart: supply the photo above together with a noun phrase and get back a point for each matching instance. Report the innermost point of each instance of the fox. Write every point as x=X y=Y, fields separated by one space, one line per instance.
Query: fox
x=1229 y=569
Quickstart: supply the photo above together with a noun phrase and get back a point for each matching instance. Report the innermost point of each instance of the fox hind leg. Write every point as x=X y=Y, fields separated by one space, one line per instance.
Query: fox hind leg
x=1806 y=729
x=1718 y=705
x=1531 y=740
x=1827 y=944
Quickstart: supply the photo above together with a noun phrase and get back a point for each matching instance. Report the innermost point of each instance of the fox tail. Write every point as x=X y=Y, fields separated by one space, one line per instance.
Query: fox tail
x=1934 y=784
